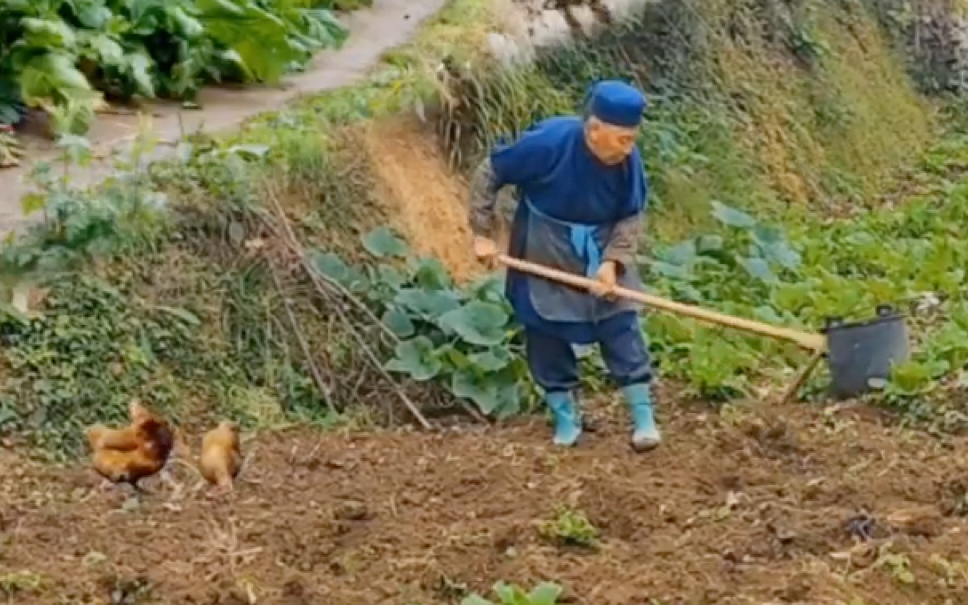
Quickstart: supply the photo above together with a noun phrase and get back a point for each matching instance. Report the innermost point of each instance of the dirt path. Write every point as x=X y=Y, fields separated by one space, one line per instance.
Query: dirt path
x=781 y=505
x=387 y=24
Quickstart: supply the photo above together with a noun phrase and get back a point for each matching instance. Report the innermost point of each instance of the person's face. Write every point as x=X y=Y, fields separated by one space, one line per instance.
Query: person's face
x=610 y=144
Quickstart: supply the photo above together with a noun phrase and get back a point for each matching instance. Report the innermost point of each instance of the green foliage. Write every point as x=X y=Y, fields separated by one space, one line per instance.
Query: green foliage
x=461 y=338
x=62 y=54
x=509 y=594
x=92 y=351
x=741 y=265
x=136 y=305
x=914 y=253
x=122 y=214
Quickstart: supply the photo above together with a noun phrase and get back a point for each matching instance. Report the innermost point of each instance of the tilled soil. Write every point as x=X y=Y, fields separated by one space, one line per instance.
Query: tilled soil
x=774 y=505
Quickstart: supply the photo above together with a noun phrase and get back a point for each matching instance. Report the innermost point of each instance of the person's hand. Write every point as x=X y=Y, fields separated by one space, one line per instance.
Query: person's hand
x=606 y=279
x=486 y=250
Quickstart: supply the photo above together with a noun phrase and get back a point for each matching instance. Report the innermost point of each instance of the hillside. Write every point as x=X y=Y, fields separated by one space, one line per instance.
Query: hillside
x=801 y=167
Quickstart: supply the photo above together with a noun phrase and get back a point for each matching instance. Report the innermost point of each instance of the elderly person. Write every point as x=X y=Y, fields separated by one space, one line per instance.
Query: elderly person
x=582 y=191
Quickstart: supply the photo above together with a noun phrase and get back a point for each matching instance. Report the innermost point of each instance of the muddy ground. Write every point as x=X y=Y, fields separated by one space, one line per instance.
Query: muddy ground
x=771 y=505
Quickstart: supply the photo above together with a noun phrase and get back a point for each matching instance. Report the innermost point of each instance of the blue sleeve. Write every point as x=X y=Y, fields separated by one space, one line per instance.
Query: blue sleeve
x=524 y=161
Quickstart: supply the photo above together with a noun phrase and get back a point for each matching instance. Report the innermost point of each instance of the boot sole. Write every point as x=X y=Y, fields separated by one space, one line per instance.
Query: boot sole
x=641 y=448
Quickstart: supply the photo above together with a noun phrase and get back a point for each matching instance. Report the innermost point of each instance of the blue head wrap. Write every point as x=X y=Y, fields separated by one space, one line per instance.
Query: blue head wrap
x=616 y=103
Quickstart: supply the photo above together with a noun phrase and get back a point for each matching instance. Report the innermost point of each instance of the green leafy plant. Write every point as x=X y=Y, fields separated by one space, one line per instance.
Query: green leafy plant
x=508 y=594
x=462 y=338
x=123 y=213
x=569 y=527
x=841 y=269
x=63 y=54
x=741 y=266
x=897 y=565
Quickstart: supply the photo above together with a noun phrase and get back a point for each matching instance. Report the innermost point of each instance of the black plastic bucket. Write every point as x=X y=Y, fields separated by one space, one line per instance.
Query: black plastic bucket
x=859 y=353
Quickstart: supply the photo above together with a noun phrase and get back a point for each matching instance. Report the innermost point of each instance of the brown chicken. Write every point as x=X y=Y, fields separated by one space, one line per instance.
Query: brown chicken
x=137 y=451
x=221 y=457
x=100 y=436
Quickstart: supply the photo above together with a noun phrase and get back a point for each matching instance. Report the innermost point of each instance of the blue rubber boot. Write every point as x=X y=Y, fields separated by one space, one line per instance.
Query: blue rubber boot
x=567 y=421
x=646 y=435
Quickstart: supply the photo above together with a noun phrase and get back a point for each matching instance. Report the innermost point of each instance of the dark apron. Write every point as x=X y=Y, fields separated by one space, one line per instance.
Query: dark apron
x=574 y=248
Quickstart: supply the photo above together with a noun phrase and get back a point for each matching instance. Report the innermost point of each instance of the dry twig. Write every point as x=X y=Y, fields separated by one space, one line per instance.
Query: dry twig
x=321 y=383
x=294 y=246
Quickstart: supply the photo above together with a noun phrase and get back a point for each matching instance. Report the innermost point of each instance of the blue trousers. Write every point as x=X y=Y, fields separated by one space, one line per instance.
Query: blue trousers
x=554 y=366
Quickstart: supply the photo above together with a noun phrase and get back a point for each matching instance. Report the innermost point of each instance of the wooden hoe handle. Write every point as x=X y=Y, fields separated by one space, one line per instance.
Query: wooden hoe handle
x=806 y=340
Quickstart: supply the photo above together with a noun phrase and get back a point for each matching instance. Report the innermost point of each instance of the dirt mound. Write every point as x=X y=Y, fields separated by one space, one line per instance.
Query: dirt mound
x=427 y=200
x=782 y=507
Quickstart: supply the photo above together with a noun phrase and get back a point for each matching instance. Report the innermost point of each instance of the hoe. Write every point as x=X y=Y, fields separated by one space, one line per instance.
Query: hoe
x=859 y=355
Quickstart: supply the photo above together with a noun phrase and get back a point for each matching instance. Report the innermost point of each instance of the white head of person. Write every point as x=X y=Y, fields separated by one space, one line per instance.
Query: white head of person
x=613 y=113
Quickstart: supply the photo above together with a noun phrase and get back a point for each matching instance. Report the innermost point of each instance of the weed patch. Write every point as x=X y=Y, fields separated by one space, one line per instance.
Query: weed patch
x=569 y=527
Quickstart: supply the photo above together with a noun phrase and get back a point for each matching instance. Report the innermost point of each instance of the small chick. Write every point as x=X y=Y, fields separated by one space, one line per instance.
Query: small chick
x=221 y=457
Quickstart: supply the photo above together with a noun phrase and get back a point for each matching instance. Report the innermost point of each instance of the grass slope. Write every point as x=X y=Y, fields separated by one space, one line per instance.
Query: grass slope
x=764 y=206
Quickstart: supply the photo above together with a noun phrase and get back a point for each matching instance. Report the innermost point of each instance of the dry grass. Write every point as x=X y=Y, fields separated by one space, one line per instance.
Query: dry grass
x=853 y=114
